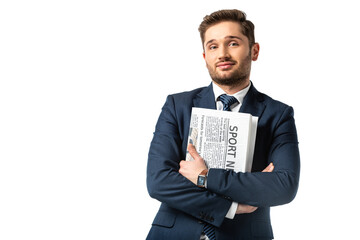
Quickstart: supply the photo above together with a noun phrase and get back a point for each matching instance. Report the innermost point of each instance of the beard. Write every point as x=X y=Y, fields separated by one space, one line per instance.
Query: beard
x=234 y=78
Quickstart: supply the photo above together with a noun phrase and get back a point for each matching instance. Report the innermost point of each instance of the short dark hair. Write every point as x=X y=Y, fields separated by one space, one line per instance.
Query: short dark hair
x=234 y=15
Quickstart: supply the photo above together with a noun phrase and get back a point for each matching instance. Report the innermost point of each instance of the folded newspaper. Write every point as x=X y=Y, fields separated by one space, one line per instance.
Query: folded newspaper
x=223 y=139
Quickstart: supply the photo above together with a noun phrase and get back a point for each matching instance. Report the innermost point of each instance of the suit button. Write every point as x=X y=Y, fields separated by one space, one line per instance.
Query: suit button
x=201 y=222
x=211 y=219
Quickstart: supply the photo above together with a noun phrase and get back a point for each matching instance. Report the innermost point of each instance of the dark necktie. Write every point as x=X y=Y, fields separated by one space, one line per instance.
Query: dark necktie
x=209 y=231
x=227 y=101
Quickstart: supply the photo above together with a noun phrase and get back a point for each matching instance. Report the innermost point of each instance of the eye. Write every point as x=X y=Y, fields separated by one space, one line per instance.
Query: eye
x=232 y=44
x=212 y=47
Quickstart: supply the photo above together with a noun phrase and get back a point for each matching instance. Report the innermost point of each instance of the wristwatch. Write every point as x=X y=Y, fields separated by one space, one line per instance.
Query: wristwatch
x=201 y=181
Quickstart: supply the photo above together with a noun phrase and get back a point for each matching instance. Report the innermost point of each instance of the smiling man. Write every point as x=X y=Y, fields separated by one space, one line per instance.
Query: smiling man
x=228 y=54
x=224 y=204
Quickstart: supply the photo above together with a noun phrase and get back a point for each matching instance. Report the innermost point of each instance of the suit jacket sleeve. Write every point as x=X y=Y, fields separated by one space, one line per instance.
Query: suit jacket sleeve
x=164 y=181
x=266 y=189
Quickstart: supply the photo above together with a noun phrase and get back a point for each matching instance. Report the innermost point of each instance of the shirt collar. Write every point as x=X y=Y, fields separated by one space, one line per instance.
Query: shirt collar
x=238 y=95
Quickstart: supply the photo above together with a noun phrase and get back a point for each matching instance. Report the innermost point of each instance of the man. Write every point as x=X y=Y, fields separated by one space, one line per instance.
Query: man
x=229 y=205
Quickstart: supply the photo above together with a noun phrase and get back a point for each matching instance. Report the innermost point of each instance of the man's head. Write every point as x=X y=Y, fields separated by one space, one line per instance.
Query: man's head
x=234 y=15
x=229 y=47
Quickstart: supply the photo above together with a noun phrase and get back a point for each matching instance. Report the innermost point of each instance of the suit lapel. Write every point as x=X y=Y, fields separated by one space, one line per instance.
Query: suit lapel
x=253 y=102
x=205 y=98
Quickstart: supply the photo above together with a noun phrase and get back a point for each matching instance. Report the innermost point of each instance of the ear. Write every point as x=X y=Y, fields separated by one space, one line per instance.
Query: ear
x=204 y=55
x=255 y=51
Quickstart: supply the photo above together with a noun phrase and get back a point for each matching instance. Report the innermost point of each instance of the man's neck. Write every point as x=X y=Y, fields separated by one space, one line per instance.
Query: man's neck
x=235 y=88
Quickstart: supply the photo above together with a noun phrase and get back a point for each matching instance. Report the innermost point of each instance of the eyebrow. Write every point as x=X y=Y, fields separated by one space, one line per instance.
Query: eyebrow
x=231 y=37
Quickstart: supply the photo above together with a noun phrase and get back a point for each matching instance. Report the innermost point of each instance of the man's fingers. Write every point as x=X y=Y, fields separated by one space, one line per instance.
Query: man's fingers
x=243 y=208
x=193 y=152
x=269 y=168
x=181 y=163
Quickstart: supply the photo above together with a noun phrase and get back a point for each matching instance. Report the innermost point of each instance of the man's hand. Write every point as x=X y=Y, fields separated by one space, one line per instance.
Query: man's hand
x=192 y=169
x=269 y=168
x=243 y=208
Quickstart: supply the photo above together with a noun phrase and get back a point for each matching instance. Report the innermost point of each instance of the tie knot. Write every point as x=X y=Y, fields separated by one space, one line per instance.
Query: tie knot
x=227 y=101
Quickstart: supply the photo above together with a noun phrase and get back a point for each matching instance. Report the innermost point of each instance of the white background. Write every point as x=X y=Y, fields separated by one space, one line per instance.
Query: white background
x=82 y=84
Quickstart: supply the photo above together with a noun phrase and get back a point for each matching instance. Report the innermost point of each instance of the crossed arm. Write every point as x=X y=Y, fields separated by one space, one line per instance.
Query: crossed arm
x=191 y=170
x=275 y=186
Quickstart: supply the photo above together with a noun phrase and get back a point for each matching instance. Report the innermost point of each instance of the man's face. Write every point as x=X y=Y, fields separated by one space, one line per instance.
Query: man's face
x=227 y=54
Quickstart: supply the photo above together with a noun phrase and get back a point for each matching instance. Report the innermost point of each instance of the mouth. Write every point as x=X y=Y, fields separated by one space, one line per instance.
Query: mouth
x=225 y=65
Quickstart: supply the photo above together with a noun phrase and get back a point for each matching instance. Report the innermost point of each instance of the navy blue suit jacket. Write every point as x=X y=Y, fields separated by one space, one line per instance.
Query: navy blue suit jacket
x=185 y=207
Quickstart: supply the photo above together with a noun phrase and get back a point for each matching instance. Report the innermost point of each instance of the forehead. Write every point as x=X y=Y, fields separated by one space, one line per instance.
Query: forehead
x=221 y=30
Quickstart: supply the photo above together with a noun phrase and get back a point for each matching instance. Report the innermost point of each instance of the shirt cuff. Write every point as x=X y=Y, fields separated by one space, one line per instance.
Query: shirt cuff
x=231 y=213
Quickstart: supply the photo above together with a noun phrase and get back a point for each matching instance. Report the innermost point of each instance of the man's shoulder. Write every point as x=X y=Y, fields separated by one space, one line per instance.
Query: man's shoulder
x=180 y=104
x=273 y=105
x=274 y=102
x=188 y=96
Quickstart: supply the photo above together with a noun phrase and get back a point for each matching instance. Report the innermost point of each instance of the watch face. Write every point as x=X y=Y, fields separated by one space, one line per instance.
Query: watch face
x=201 y=180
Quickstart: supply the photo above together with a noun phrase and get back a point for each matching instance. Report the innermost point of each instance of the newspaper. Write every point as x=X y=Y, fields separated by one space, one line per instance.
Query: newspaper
x=223 y=139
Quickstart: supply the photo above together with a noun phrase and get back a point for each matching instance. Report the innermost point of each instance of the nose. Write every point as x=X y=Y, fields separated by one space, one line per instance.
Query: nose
x=224 y=53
